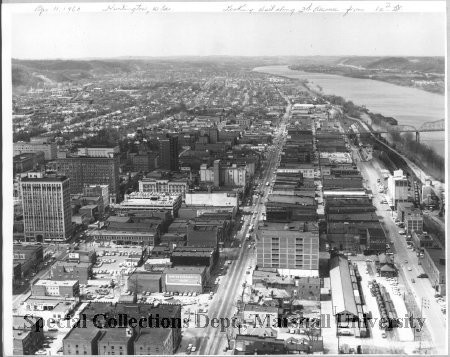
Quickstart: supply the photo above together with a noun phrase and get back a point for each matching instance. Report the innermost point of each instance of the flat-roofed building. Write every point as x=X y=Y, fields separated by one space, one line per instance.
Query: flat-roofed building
x=28 y=337
x=292 y=247
x=194 y=256
x=119 y=339
x=81 y=341
x=203 y=235
x=433 y=264
x=149 y=201
x=141 y=281
x=398 y=187
x=413 y=220
x=154 y=342
x=68 y=288
x=92 y=166
x=64 y=270
x=163 y=186
x=185 y=279
x=97 y=190
x=27 y=161
x=376 y=240
x=49 y=307
x=116 y=341
x=218 y=199
x=29 y=256
x=49 y=149
x=47 y=214
x=122 y=237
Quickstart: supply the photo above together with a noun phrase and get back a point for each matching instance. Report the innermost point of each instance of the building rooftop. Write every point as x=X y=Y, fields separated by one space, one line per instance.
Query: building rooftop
x=185 y=270
x=341 y=287
x=47 y=179
x=56 y=283
x=261 y=308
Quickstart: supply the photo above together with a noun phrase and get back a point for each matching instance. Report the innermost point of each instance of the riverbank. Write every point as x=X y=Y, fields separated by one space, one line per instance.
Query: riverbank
x=426 y=82
x=400 y=106
x=409 y=106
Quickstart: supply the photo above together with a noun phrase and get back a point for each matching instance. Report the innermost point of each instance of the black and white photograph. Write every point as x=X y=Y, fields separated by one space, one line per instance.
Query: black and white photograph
x=224 y=178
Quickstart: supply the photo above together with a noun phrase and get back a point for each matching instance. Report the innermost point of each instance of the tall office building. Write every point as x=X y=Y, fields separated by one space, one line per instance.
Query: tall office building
x=47 y=214
x=92 y=166
x=168 y=153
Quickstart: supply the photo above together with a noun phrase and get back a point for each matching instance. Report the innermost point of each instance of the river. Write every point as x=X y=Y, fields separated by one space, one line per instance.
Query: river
x=410 y=106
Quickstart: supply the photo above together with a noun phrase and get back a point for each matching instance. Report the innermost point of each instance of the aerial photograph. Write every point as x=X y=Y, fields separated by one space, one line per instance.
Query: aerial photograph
x=230 y=179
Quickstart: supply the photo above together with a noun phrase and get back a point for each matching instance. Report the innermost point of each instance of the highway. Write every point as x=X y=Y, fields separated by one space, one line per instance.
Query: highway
x=213 y=341
x=422 y=288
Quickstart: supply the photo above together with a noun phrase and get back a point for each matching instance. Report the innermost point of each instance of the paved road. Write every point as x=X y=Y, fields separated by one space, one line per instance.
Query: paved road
x=213 y=341
x=422 y=288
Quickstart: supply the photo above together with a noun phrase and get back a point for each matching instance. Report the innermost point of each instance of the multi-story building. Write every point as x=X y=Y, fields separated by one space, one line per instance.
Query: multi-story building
x=28 y=335
x=63 y=271
x=47 y=213
x=49 y=149
x=27 y=161
x=293 y=246
x=398 y=187
x=28 y=256
x=123 y=237
x=433 y=264
x=221 y=174
x=97 y=190
x=376 y=240
x=163 y=186
x=154 y=342
x=422 y=240
x=66 y=288
x=413 y=220
x=81 y=341
x=92 y=166
x=143 y=161
x=168 y=153
x=149 y=201
x=146 y=338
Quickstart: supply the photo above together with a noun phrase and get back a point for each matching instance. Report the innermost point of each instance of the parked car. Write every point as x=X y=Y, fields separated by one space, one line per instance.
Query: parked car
x=345 y=333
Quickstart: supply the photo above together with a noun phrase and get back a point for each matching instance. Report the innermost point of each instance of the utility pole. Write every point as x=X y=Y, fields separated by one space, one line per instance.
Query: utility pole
x=337 y=332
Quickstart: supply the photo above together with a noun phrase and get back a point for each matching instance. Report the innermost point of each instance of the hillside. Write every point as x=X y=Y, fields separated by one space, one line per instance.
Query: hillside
x=31 y=73
x=399 y=64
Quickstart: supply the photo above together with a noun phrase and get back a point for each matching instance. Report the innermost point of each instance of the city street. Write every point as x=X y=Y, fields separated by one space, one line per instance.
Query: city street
x=422 y=288
x=212 y=340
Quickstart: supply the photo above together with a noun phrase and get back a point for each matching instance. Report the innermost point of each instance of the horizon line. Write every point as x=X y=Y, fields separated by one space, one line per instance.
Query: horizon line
x=209 y=56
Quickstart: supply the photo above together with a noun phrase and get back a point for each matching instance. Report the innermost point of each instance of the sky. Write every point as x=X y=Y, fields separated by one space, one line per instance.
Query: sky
x=236 y=34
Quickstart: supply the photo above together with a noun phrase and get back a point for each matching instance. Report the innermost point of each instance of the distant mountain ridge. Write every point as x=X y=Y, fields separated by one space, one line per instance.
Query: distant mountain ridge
x=30 y=73
x=34 y=73
x=419 y=64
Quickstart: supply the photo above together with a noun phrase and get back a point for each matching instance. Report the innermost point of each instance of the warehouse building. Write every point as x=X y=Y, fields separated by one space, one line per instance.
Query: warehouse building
x=184 y=279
